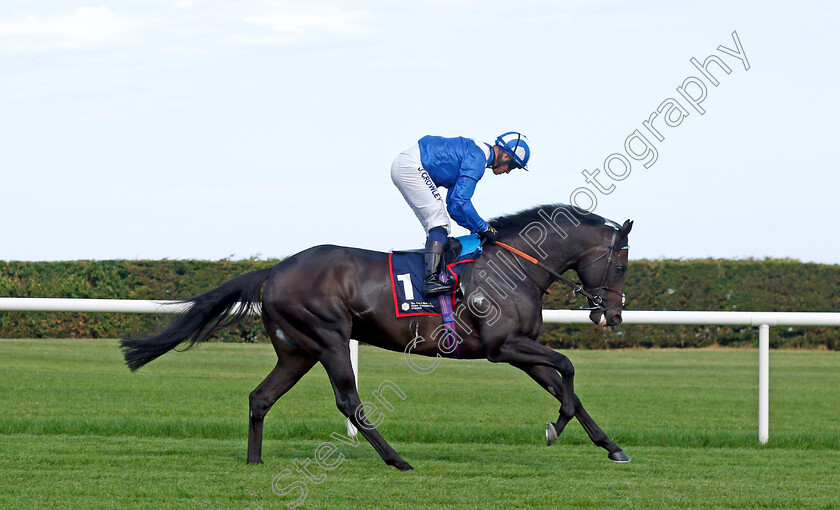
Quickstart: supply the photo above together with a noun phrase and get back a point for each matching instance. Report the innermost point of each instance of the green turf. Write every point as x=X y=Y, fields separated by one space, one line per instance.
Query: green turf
x=77 y=430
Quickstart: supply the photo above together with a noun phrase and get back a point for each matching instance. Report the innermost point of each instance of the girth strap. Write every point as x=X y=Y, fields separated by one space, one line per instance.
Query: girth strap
x=450 y=340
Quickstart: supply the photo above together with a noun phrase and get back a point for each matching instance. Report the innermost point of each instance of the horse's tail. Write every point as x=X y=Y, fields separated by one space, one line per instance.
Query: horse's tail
x=209 y=312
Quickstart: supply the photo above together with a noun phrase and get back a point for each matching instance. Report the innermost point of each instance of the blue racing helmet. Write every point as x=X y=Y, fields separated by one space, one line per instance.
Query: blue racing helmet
x=515 y=144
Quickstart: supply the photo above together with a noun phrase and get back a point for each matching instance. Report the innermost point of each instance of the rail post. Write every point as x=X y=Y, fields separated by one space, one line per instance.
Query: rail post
x=763 y=383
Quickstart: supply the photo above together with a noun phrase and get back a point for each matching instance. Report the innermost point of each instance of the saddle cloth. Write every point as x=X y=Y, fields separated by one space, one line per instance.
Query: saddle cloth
x=407 y=272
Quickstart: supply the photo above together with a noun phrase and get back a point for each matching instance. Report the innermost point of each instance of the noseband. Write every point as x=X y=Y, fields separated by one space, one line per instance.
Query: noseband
x=595 y=299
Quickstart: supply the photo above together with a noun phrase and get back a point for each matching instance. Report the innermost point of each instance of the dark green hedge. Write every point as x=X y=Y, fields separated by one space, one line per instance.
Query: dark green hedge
x=114 y=279
x=721 y=285
x=748 y=285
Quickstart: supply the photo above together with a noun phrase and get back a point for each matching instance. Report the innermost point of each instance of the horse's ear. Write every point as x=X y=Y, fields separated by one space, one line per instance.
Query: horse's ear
x=625 y=229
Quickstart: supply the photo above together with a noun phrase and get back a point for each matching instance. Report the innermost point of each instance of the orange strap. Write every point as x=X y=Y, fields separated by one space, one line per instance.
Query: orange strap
x=521 y=254
x=578 y=288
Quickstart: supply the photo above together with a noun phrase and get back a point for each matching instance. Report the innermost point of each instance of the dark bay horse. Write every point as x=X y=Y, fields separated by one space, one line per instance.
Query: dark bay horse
x=314 y=302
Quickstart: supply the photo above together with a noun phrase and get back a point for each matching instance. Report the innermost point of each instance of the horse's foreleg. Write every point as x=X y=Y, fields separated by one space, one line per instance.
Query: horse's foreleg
x=524 y=351
x=288 y=371
x=551 y=381
x=598 y=436
x=340 y=372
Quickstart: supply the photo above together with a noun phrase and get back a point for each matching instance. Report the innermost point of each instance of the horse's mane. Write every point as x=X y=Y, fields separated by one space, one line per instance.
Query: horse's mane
x=514 y=223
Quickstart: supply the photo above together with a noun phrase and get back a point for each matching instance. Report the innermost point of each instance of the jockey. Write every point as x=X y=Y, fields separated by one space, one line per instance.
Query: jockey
x=456 y=164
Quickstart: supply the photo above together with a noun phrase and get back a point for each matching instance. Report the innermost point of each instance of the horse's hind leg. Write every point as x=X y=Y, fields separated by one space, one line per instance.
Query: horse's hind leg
x=549 y=379
x=337 y=363
x=288 y=371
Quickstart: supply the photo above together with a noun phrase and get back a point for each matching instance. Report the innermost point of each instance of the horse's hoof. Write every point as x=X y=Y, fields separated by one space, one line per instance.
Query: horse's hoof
x=403 y=465
x=619 y=457
x=550 y=434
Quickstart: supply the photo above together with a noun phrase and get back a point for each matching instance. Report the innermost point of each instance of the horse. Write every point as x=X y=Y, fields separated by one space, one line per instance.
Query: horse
x=315 y=301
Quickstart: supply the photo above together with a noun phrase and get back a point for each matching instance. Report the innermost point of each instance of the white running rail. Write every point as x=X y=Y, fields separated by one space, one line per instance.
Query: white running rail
x=762 y=320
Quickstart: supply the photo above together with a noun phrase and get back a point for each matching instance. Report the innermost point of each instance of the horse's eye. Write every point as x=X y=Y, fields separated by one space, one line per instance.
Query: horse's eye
x=620 y=269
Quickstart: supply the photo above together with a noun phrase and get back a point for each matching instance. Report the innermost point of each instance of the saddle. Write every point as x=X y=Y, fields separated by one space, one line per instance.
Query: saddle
x=407 y=268
x=469 y=244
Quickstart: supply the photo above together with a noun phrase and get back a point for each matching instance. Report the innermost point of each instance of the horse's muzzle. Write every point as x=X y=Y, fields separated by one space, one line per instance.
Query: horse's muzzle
x=612 y=319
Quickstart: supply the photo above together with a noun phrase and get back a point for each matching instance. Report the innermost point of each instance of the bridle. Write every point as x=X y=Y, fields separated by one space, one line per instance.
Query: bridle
x=595 y=299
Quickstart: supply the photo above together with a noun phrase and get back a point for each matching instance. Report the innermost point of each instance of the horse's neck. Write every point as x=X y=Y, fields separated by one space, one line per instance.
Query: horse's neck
x=554 y=252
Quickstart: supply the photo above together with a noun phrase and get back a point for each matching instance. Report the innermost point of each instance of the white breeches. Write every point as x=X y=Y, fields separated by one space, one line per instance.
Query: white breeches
x=419 y=190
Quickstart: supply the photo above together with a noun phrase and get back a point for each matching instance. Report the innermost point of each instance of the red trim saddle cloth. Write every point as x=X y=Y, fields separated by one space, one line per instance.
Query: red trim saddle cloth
x=407 y=271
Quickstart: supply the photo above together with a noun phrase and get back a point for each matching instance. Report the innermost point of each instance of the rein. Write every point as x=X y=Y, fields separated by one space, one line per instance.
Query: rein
x=596 y=299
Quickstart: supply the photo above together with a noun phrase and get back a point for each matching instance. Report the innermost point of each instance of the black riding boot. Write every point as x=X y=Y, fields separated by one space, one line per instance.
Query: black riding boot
x=433 y=256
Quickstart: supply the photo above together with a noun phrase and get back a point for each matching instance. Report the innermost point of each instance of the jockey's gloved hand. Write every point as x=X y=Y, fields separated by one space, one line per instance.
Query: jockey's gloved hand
x=488 y=235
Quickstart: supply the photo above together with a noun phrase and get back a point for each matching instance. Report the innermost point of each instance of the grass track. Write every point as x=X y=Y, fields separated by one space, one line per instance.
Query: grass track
x=78 y=431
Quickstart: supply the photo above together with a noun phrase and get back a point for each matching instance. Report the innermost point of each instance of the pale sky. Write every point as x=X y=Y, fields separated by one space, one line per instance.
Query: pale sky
x=203 y=129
